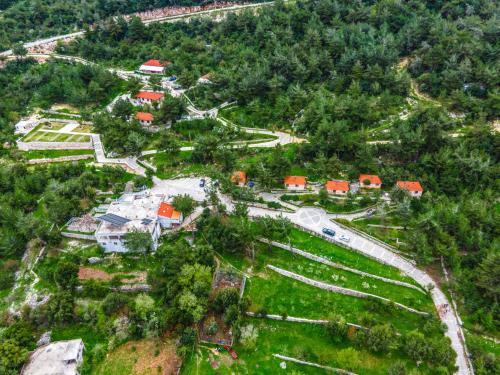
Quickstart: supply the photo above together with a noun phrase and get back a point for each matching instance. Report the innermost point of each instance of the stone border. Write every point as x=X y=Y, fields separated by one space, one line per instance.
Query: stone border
x=60 y=159
x=299 y=361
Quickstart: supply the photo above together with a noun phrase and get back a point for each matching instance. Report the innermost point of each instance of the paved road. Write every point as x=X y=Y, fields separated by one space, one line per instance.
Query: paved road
x=130 y=163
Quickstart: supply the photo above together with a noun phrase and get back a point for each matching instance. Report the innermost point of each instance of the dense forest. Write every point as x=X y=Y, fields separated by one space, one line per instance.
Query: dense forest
x=27 y=20
x=332 y=70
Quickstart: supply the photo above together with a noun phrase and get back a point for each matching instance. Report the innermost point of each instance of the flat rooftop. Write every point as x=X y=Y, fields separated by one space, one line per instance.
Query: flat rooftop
x=57 y=358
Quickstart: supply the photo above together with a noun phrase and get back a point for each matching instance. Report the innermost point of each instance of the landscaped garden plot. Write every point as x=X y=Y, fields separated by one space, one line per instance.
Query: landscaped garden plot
x=261 y=338
x=83 y=129
x=43 y=136
x=52 y=125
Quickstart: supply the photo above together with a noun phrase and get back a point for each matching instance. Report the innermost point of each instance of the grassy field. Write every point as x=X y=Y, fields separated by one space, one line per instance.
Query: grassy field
x=302 y=341
x=41 y=154
x=334 y=205
x=42 y=136
x=144 y=357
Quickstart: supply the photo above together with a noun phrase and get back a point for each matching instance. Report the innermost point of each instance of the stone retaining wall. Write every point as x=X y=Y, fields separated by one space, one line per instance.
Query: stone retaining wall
x=60 y=159
x=27 y=146
x=340 y=290
x=300 y=320
x=80 y=236
x=322 y=260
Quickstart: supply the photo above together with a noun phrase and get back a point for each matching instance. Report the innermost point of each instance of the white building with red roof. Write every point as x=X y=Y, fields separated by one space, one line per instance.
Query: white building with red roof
x=295 y=182
x=412 y=187
x=154 y=67
x=369 y=181
x=144 y=118
x=148 y=97
x=168 y=216
x=337 y=187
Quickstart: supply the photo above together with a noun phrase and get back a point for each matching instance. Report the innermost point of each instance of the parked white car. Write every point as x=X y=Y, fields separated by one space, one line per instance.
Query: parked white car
x=344 y=238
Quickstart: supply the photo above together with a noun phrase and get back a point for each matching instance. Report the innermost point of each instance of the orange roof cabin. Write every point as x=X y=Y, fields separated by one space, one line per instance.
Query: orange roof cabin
x=369 y=181
x=205 y=78
x=145 y=118
x=337 y=187
x=295 y=182
x=168 y=216
x=148 y=97
x=412 y=187
x=154 y=67
x=239 y=178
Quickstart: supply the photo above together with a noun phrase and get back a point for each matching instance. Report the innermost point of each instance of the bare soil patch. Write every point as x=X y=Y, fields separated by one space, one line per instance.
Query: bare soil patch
x=88 y=273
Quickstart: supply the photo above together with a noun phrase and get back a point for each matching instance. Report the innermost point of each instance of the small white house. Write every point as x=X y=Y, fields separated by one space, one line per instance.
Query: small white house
x=412 y=187
x=148 y=97
x=369 y=181
x=168 y=217
x=60 y=357
x=144 y=118
x=337 y=187
x=205 y=79
x=154 y=67
x=295 y=182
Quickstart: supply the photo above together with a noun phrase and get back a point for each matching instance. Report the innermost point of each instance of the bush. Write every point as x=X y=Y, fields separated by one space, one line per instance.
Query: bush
x=114 y=302
x=225 y=297
x=211 y=327
x=337 y=328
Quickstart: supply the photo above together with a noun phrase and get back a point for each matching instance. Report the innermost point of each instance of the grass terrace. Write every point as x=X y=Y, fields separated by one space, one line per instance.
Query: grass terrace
x=43 y=136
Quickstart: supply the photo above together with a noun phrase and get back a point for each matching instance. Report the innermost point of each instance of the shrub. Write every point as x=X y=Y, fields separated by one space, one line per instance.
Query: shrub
x=114 y=302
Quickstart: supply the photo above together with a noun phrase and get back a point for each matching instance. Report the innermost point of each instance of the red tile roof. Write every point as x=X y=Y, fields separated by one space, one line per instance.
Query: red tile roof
x=337 y=185
x=295 y=180
x=239 y=176
x=150 y=95
x=409 y=185
x=374 y=179
x=157 y=63
x=167 y=210
x=144 y=116
x=206 y=76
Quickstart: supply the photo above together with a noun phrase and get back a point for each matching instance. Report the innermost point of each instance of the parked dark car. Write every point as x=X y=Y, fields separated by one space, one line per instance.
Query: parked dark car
x=329 y=232
x=202 y=182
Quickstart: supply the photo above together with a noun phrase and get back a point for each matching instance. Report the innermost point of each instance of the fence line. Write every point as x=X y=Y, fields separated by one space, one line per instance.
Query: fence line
x=299 y=361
